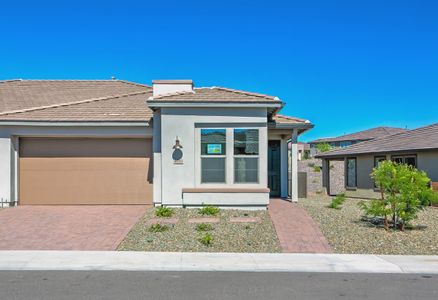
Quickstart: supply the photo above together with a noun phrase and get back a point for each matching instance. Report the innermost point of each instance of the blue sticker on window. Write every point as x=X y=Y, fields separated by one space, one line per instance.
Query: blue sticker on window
x=214 y=149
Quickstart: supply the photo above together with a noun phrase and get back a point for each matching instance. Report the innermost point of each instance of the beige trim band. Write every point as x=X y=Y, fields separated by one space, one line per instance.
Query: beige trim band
x=225 y=190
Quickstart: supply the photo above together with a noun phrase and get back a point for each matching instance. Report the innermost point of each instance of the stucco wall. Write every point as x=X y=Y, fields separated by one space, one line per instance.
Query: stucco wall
x=186 y=123
x=5 y=169
x=365 y=165
x=428 y=162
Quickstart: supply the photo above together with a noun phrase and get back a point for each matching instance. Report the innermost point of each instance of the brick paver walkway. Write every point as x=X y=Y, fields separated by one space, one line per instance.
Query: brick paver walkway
x=296 y=230
x=85 y=227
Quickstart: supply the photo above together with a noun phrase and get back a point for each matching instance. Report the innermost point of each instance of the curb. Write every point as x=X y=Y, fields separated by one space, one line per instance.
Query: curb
x=243 y=262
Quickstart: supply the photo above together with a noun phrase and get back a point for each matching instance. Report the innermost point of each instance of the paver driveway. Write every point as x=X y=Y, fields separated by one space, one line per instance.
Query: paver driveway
x=85 y=227
x=296 y=230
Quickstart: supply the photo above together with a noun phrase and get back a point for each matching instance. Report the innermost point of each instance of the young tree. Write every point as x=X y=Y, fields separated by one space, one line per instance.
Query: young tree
x=323 y=147
x=402 y=188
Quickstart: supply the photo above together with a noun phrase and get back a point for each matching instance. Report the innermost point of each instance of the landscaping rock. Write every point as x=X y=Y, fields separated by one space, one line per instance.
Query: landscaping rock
x=346 y=232
x=203 y=220
x=184 y=237
x=245 y=220
x=161 y=221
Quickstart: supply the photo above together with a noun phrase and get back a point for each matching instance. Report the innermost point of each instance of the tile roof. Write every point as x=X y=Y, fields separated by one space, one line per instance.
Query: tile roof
x=364 y=135
x=424 y=138
x=105 y=100
x=217 y=95
x=74 y=100
x=282 y=119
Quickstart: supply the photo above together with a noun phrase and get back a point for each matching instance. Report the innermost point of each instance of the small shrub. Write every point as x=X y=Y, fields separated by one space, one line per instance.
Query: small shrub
x=317 y=169
x=209 y=210
x=204 y=227
x=337 y=201
x=429 y=197
x=158 y=228
x=164 y=212
x=247 y=227
x=206 y=239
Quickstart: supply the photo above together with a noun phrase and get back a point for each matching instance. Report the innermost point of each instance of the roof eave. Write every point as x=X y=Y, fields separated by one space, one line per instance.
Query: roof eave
x=397 y=151
x=75 y=123
x=160 y=104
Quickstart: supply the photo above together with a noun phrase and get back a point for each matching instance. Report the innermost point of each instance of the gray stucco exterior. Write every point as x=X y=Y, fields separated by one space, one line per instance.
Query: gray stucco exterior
x=427 y=161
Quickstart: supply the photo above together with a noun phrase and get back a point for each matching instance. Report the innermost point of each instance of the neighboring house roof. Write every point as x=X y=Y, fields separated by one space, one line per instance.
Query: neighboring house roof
x=215 y=95
x=364 y=135
x=420 y=139
x=73 y=100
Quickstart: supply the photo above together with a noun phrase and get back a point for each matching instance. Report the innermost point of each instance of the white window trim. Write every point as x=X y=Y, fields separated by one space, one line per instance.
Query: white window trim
x=229 y=160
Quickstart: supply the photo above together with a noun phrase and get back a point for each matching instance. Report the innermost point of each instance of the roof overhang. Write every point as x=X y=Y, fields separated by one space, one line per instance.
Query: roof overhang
x=76 y=123
x=159 y=104
x=303 y=127
x=391 y=152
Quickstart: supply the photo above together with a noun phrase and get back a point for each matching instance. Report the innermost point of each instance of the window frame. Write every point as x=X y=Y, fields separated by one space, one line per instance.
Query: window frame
x=246 y=156
x=404 y=156
x=214 y=156
x=229 y=156
x=355 y=173
x=376 y=165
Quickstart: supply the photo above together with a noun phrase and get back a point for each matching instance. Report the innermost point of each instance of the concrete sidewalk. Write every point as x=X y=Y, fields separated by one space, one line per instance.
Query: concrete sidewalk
x=247 y=262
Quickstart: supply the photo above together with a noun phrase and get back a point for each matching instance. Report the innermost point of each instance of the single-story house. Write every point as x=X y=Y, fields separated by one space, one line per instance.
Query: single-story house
x=418 y=148
x=117 y=142
x=347 y=140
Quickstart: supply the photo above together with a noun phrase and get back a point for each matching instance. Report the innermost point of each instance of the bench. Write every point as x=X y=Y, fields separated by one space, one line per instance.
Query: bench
x=242 y=197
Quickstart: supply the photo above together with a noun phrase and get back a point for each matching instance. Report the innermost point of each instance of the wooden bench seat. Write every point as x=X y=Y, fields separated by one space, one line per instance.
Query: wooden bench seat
x=225 y=190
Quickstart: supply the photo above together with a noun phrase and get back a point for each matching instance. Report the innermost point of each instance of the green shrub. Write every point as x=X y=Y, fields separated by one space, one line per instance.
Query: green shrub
x=204 y=227
x=403 y=189
x=337 y=201
x=323 y=147
x=164 y=212
x=206 y=239
x=429 y=197
x=158 y=228
x=209 y=210
x=317 y=169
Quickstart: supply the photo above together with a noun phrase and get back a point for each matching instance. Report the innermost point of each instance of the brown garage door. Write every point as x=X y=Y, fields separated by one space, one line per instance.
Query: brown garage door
x=85 y=171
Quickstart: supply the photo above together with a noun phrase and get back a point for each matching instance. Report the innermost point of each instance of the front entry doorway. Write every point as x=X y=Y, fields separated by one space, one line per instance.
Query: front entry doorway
x=274 y=168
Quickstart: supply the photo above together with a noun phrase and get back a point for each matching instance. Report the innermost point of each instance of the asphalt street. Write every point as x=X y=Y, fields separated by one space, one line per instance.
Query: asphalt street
x=213 y=285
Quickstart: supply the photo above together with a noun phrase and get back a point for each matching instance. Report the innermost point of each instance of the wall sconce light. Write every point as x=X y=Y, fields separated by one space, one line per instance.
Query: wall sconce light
x=177 y=145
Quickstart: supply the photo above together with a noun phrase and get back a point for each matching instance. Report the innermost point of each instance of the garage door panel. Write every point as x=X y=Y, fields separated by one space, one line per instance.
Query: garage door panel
x=85 y=180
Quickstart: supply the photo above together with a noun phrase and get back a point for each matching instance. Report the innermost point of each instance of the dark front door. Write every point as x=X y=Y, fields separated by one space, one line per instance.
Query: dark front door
x=274 y=168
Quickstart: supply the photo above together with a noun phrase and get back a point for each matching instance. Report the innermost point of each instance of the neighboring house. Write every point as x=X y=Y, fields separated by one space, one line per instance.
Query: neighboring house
x=118 y=142
x=303 y=150
x=354 y=138
x=418 y=148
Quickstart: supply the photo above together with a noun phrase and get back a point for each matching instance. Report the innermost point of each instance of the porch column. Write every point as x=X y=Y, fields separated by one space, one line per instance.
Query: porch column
x=294 y=165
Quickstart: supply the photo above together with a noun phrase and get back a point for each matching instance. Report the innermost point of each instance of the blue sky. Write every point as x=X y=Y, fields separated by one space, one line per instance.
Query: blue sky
x=345 y=65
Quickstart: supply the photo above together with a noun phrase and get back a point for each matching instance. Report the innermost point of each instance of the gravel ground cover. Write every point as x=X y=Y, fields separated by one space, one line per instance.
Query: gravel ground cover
x=346 y=233
x=183 y=236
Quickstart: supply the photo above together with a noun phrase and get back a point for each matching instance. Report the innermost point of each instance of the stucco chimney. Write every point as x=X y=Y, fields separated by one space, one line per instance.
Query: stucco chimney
x=162 y=87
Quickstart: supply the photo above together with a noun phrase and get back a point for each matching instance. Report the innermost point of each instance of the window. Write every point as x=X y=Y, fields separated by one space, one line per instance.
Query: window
x=410 y=160
x=351 y=172
x=213 y=155
x=344 y=144
x=377 y=161
x=246 y=155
